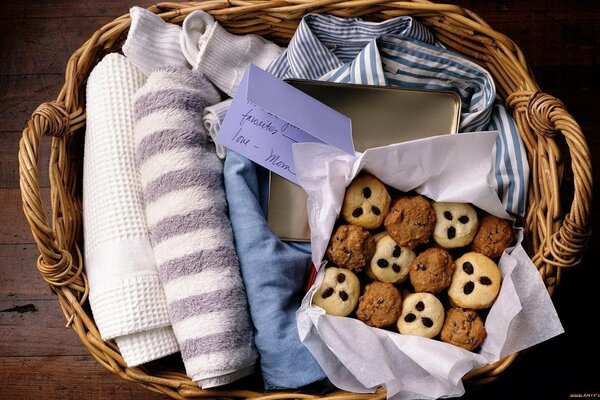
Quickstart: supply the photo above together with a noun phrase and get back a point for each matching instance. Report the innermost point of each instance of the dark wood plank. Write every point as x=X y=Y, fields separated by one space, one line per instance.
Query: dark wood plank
x=36 y=327
x=34 y=48
x=114 y=8
x=68 y=8
x=12 y=220
x=66 y=377
x=29 y=312
x=21 y=94
x=19 y=275
x=551 y=41
x=35 y=52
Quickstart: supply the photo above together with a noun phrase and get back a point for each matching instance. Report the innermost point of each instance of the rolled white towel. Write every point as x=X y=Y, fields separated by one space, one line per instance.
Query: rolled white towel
x=126 y=296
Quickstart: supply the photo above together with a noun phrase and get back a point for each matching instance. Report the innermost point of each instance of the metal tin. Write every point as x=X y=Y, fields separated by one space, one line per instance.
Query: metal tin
x=381 y=115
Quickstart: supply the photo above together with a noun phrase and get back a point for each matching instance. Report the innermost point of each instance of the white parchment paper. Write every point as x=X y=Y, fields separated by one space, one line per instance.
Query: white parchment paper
x=360 y=358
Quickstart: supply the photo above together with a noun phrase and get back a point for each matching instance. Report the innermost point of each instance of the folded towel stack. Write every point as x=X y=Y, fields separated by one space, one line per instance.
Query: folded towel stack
x=186 y=211
x=126 y=296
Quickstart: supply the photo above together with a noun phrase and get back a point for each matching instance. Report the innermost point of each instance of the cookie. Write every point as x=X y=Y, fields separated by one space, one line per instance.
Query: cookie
x=476 y=282
x=351 y=247
x=366 y=202
x=410 y=221
x=422 y=315
x=431 y=271
x=456 y=224
x=338 y=293
x=390 y=262
x=463 y=328
x=380 y=305
x=493 y=237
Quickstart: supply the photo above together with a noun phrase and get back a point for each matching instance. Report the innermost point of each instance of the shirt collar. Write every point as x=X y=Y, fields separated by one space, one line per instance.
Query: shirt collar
x=312 y=50
x=365 y=69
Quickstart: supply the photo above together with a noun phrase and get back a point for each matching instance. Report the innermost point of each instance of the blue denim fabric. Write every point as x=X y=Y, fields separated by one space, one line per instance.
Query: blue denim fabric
x=274 y=273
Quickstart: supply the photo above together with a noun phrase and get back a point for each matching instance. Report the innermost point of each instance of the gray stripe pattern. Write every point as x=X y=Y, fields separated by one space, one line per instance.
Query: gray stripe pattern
x=184 y=223
x=205 y=272
x=212 y=344
x=173 y=139
x=219 y=300
x=167 y=99
x=195 y=263
x=197 y=176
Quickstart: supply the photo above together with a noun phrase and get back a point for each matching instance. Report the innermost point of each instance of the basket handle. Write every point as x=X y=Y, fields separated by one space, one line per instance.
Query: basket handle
x=548 y=117
x=55 y=263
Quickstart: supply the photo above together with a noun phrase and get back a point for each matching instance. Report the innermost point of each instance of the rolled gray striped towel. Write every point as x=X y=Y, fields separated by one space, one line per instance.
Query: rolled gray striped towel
x=186 y=212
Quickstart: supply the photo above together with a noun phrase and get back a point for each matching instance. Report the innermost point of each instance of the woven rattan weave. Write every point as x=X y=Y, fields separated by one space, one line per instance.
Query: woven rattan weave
x=556 y=238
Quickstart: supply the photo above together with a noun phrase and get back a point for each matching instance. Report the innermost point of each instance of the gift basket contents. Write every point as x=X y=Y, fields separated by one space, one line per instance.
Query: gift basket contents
x=387 y=259
x=343 y=213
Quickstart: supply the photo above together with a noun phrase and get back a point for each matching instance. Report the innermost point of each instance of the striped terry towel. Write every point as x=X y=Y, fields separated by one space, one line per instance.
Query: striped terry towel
x=186 y=212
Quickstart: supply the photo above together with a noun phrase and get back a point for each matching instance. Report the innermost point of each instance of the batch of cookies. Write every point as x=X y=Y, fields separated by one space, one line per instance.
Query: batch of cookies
x=413 y=266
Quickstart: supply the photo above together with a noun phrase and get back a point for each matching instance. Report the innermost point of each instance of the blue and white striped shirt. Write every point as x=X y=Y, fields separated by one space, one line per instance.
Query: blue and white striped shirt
x=402 y=52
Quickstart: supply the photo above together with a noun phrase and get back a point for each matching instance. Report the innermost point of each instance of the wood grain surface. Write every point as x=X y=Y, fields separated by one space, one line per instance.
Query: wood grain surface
x=41 y=359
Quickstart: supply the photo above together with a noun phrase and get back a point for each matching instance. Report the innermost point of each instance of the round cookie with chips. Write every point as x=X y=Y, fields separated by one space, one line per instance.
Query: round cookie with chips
x=422 y=315
x=380 y=305
x=493 y=237
x=351 y=247
x=476 y=282
x=410 y=221
x=390 y=262
x=431 y=271
x=366 y=202
x=456 y=224
x=463 y=328
x=338 y=293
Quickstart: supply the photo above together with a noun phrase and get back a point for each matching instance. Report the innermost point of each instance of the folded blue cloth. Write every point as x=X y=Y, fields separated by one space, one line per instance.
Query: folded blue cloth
x=274 y=275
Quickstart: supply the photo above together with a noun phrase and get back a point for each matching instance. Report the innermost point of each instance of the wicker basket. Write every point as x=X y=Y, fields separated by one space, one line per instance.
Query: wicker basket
x=555 y=239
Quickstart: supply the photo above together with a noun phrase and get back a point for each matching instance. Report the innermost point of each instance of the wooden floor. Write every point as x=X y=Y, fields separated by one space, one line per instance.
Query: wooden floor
x=41 y=359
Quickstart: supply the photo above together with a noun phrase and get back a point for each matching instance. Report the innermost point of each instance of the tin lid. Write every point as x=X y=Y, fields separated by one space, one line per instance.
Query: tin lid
x=381 y=115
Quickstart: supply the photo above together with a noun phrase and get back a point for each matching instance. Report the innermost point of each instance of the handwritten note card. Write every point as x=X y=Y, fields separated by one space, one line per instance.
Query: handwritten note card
x=267 y=116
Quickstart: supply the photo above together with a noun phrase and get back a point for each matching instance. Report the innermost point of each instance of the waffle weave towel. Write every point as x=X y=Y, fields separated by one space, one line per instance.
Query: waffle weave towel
x=126 y=296
x=186 y=211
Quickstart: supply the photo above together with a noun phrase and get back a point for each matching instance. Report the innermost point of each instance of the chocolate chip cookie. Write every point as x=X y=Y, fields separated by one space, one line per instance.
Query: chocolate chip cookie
x=463 y=328
x=410 y=221
x=493 y=237
x=431 y=271
x=351 y=247
x=380 y=305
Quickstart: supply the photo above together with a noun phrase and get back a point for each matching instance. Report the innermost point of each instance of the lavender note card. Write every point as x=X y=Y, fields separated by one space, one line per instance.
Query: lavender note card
x=267 y=116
